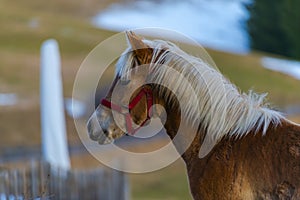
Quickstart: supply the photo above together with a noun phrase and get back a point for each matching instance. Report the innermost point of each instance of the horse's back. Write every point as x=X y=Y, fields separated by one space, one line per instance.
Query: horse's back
x=273 y=163
x=254 y=167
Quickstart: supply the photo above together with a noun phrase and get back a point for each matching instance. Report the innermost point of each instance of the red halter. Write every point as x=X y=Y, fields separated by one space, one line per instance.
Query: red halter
x=132 y=104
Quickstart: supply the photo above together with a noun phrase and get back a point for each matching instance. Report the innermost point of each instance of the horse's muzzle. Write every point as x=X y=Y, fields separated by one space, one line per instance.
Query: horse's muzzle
x=96 y=132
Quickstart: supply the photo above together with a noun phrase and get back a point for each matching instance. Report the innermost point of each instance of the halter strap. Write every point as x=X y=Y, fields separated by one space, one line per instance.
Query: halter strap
x=126 y=112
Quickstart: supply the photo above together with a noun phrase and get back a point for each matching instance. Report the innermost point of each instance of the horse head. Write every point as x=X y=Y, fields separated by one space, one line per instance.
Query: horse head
x=118 y=113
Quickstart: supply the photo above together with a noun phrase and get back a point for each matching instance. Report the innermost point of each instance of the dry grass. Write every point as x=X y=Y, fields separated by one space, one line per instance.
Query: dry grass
x=68 y=22
x=168 y=183
x=295 y=118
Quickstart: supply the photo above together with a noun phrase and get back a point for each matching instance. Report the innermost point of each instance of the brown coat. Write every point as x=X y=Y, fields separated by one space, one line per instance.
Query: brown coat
x=253 y=167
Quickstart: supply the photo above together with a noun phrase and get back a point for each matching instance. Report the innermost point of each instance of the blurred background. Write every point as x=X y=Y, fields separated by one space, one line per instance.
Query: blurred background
x=255 y=44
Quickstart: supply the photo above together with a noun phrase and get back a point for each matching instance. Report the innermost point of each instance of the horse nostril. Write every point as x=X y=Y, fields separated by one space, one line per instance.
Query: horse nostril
x=105 y=132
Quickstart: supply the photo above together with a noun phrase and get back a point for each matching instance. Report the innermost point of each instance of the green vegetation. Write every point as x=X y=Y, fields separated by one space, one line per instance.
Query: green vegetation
x=274 y=26
x=291 y=20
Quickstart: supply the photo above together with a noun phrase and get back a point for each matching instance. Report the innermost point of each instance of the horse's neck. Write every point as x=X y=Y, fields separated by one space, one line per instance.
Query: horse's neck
x=187 y=137
x=238 y=165
x=191 y=155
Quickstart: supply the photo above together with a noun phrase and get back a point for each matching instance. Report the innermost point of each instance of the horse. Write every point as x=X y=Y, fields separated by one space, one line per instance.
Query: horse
x=251 y=151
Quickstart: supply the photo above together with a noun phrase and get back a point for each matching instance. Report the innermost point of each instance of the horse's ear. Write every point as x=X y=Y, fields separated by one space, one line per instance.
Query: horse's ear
x=142 y=51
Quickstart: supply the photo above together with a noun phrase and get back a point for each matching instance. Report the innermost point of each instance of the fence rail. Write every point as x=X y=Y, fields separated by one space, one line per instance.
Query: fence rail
x=40 y=180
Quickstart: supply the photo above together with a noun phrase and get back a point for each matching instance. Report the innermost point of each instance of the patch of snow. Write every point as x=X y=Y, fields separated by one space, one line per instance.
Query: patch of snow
x=289 y=67
x=75 y=108
x=8 y=99
x=218 y=24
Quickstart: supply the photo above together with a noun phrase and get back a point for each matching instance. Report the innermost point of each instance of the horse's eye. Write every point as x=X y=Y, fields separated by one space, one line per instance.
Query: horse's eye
x=124 y=82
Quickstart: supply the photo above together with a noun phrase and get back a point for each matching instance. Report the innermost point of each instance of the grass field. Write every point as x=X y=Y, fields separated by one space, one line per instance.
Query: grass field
x=25 y=24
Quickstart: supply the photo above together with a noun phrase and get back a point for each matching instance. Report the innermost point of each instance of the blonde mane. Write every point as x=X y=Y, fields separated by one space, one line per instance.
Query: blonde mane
x=219 y=107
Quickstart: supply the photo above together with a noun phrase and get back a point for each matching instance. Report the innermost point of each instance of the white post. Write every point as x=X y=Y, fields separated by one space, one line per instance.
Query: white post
x=54 y=140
